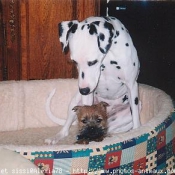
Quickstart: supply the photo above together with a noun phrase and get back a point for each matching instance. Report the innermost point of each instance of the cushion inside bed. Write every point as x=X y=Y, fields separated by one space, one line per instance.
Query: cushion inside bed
x=156 y=106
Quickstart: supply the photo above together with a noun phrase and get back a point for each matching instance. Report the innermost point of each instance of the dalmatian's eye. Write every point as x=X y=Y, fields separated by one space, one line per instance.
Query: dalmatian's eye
x=91 y=63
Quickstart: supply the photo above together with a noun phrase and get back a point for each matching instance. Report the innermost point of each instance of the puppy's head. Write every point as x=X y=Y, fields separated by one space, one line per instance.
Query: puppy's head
x=92 y=121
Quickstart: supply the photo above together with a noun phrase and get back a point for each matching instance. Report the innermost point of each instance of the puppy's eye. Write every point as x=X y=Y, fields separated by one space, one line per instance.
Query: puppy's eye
x=84 y=121
x=99 y=120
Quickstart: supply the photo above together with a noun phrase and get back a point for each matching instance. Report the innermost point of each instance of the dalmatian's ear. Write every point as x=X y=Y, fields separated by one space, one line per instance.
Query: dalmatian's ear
x=65 y=28
x=104 y=32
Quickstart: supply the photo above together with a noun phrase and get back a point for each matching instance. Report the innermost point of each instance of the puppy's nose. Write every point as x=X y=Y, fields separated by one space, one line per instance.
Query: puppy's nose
x=92 y=128
x=84 y=91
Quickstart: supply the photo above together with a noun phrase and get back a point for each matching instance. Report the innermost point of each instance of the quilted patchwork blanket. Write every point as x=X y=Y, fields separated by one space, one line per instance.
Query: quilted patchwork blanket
x=149 y=153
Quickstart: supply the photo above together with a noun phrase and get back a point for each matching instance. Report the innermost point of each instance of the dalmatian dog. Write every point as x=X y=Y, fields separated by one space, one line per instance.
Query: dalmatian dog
x=108 y=68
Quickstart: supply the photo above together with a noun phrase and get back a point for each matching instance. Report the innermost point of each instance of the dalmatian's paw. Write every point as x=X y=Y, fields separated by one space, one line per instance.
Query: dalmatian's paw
x=55 y=139
x=52 y=141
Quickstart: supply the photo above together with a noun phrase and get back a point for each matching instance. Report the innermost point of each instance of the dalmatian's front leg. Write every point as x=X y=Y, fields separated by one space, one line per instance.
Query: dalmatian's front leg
x=134 y=103
x=70 y=119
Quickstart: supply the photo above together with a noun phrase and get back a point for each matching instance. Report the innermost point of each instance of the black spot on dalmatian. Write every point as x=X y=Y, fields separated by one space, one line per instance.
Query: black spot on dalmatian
x=122 y=28
x=125 y=98
x=117 y=33
x=107 y=89
x=66 y=49
x=70 y=24
x=113 y=18
x=102 y=67
x=127 y=44
x=119 y=78
x=96 y=23
x=118 y=67
x=107 y=47
x=74 y=28
x=82 y=27
x=102 y=36
x=131 y=110
x=110 y=28
x=91 y=63
x=60 y=29
x=134 y=64
x=136 y=100
x=115 y=42
x=92 y=29
x=102 y=50
x=82 y=75
x=106 y=18
x=113 y=62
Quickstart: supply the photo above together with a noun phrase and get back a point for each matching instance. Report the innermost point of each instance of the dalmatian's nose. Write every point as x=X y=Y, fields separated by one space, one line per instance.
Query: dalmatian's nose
x=84 y=91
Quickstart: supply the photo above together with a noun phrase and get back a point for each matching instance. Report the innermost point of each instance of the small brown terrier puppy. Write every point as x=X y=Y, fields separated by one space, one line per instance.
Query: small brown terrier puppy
x=92 y=122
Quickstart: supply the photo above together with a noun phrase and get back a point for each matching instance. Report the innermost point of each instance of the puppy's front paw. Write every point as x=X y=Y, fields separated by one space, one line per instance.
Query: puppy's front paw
x=99 y=139
x=82 y=141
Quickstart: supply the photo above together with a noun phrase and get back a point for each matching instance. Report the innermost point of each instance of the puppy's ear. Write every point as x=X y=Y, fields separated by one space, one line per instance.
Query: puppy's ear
x=103 y=105
x=76 y=108
x=65 y=28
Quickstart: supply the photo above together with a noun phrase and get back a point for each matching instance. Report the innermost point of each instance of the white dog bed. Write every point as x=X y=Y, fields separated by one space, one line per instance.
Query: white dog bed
x=24 y=125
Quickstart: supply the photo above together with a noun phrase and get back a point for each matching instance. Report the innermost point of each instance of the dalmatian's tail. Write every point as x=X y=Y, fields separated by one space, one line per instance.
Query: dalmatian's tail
x=56 y=120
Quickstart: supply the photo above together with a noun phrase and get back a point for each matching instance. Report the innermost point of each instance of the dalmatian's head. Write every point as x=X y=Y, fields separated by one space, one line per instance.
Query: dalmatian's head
x=89 y=42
